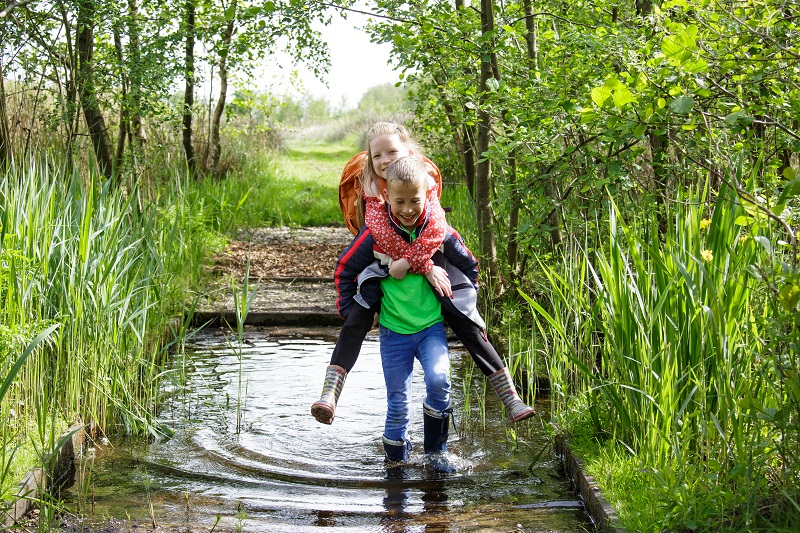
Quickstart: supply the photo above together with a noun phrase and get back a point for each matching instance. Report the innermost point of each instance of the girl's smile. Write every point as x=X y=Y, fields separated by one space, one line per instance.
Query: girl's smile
x=384 y=150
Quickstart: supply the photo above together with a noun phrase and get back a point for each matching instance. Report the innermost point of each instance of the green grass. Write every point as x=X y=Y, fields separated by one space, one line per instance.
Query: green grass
x=296 y=186
x=653 y=346
x=104 y=276
x=626 y=484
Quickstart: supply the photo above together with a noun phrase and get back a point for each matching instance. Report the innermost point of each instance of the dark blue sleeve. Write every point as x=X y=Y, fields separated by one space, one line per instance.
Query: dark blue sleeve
x=458 y=255
x=355 y=258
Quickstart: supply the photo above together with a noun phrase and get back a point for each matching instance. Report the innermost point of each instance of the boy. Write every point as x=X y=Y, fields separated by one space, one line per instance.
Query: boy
x=411 y=313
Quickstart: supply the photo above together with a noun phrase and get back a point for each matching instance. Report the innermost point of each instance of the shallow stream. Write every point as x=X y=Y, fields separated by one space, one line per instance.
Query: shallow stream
x=246 y=455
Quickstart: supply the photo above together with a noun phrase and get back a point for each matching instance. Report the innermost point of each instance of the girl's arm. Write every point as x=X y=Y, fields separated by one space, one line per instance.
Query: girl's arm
x=429 y=240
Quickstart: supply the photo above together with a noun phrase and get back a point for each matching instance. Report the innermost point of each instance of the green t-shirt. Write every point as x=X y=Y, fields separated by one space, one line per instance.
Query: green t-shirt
x=409 y=304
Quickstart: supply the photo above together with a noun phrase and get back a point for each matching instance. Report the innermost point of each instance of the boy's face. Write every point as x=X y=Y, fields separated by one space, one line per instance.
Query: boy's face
x=406 y=200
x=384 y=150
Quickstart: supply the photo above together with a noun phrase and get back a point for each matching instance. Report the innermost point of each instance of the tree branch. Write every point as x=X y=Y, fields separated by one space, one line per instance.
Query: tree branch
x=13 y=5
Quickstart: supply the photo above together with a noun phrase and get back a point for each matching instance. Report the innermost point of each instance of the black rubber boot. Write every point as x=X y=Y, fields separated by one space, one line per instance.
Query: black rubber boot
x=437 y=428
x=396 y=450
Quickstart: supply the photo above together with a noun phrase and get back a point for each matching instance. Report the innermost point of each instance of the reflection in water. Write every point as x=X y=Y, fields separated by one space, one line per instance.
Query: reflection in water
x=283 y=471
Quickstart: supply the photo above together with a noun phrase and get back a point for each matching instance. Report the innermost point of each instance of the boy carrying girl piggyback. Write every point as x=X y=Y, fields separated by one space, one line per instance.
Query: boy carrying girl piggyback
x=408 y=248
x=410 y=319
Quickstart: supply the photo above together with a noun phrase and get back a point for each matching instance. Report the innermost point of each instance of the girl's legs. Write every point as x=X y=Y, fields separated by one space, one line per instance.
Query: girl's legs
x=345 y=354
x=352 y=335
x=475 y=341
x=486 y=358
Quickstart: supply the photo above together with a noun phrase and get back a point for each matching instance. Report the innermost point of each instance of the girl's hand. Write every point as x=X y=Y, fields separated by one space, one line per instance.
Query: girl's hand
x=440 y=281
x=398 y=269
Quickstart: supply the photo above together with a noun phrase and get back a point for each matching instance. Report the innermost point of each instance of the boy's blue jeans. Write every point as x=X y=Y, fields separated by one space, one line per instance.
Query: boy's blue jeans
x=398 y=351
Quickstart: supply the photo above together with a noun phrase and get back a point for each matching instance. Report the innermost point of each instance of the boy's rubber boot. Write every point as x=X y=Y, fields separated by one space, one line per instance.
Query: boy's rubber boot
x=504 y=387
x=396 y=450
x=436 y=426
x=324 y=409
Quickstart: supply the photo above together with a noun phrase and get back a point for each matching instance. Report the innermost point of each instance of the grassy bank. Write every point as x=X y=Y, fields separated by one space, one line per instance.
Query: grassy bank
x=672 y=367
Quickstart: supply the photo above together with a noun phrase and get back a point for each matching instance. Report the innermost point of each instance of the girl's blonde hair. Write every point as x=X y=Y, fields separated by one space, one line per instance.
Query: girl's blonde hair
x=368 y=175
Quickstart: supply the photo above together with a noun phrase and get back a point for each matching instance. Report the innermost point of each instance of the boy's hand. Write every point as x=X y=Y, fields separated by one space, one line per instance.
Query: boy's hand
x=375 y=320
x=398 y=269
x=440 y=281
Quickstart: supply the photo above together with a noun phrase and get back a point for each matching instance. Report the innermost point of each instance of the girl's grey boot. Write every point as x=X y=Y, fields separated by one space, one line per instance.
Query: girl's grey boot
x=504 y=387
x=324 y=408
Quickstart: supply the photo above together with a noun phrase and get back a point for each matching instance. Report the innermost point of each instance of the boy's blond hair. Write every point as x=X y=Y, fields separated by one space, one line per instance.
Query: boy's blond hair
x=409 y=170
x=369 y=178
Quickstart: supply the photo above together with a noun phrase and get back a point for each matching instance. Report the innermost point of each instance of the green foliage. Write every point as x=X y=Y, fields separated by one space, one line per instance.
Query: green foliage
x=677 y=379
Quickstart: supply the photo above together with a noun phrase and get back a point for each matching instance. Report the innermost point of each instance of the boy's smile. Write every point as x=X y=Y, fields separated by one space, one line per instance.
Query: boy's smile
x=407 y=201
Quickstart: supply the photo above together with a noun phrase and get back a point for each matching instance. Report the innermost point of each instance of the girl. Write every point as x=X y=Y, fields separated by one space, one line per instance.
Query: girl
x=387 y=142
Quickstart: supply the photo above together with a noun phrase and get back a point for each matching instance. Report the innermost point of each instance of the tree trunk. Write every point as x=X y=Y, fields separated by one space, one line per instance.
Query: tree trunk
x=123 y=106
x=188 y=93
x=5 y=140
x=88 y=97
x=468 y=133
x=658 y=161
x=136 y=74
x=214 y=151
x=469 y=158
x=512 y=248
x=550 y=185
x=483 y=175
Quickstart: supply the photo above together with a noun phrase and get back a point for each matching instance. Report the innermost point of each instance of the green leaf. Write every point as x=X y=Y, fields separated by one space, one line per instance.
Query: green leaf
x=764 y=242
x=623 y=96
x=492 y=84
x=600 y=95
x=682 y=105
x=788 y=296
x=672 y=48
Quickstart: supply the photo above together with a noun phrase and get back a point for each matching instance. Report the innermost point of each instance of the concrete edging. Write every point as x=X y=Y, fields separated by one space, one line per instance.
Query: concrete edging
x=267 y=318
x=59 y=471
x=603 y=513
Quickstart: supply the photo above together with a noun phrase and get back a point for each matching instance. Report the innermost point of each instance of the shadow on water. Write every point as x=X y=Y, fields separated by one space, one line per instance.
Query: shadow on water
x=283 y=471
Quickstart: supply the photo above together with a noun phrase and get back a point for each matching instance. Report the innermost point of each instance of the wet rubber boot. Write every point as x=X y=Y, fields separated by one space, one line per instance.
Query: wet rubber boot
x=396 y=450
x=436 y=426
x=504 y=387
x=324 y=409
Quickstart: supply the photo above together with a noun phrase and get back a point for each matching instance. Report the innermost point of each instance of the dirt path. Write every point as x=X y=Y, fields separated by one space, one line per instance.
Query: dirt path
x=291 y=267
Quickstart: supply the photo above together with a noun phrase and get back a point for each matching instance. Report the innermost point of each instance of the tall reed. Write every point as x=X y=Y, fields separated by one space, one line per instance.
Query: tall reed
x=80 y=255
x=657 y=340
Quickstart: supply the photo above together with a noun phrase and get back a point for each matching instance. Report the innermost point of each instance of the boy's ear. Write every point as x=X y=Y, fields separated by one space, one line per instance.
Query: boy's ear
x=386 y=193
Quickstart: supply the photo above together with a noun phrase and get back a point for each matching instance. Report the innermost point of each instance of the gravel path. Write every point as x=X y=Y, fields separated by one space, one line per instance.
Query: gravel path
x=292 y=269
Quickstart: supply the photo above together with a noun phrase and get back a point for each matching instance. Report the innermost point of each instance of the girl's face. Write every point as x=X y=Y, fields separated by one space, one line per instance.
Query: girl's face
x=384 y=150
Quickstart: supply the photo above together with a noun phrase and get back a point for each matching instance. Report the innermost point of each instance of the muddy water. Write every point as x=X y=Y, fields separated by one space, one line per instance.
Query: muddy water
x=246 y=455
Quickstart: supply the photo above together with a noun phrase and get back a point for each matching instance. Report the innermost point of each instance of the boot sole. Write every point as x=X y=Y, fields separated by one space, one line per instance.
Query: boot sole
x=522 y=416
x=322 y=413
